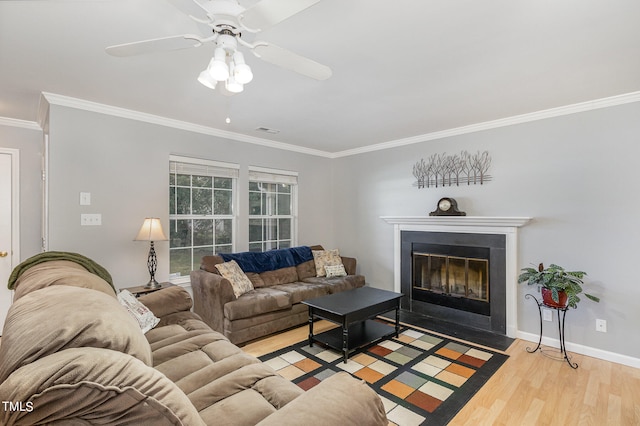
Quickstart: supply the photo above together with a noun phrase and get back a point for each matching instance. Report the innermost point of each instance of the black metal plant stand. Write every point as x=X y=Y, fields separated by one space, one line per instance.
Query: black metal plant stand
x=561 y=318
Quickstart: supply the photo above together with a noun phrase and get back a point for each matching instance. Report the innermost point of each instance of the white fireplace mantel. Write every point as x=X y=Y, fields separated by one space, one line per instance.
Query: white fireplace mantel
x=476 y=221
x=507 y=226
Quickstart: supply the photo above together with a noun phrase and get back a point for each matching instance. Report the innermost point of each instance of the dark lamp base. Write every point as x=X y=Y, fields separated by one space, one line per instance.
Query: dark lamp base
x=153 y=284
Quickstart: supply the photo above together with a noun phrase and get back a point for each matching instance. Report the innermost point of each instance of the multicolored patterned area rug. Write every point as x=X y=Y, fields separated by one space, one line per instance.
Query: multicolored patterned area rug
x=421 y=377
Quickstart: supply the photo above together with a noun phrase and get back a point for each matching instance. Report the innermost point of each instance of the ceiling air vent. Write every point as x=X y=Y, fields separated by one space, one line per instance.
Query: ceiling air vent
x=268 y=130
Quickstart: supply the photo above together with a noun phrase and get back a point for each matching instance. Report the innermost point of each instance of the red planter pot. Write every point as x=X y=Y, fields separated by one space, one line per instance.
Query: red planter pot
x=547 y=298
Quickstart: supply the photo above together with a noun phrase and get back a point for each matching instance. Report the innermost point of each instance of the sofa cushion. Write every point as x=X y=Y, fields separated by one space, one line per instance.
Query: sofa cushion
x=225 y=384
x=256 y=302
x=261 y=325
x=338 y=284
x=208 y=263
x=82 y=386
x=255 y=279
x=364 y=407
x=300 y=291
x=167 y=301
x=325 y=257
x=306 y=269
x=48 y=256
x=243 y=397
x=279 y=276
x=239 y=281
x=57 y=318
x=59 y=272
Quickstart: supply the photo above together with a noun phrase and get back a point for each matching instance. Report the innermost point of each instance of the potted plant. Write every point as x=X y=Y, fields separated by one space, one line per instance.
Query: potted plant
x=560 y=288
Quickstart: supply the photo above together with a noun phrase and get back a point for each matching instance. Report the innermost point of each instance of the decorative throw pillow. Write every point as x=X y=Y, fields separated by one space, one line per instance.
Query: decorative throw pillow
x=239 y=281
x=335 y=271
x=146 y=319
x=323 y=258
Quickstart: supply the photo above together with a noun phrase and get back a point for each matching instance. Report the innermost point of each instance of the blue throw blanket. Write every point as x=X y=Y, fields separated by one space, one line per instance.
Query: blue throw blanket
x=255 y=261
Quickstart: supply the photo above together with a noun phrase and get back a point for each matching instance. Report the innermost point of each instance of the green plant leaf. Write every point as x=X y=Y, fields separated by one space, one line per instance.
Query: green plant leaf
x=556 y=278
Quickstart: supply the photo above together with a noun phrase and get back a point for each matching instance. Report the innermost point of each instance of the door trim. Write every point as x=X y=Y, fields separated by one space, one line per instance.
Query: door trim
x=15 y=204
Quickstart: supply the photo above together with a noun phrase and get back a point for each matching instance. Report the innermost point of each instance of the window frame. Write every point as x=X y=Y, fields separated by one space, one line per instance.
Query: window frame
x=213 y=169
x=273 y=176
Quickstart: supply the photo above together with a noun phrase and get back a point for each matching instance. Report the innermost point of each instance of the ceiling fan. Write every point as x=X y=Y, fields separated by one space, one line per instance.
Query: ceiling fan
x=222 y=22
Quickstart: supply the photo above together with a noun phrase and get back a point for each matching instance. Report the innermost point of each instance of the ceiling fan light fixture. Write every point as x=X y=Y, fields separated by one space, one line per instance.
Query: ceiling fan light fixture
x=233 y=86
x=241 y=71
x=205 y=79
x=218 y=67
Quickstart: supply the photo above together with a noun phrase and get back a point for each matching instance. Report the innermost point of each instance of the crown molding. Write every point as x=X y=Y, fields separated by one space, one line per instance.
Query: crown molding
x=82 y=104
x=626 y=98
x=70 y=102
x=14 y=122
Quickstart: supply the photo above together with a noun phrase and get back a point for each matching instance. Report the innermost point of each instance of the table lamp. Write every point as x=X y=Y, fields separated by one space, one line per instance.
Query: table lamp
x=151 y=231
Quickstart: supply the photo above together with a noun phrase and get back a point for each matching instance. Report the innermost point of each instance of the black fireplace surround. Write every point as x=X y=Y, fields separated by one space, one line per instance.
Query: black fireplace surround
x=490 y=246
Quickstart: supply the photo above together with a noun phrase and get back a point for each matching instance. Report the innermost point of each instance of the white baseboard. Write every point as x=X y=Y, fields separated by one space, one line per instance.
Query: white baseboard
x=583 y=350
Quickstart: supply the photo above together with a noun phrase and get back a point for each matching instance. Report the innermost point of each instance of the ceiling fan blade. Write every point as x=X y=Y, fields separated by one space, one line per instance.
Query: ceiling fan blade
x=267 y=13
x=190 y=7
x=155 y=45
x=291 y=61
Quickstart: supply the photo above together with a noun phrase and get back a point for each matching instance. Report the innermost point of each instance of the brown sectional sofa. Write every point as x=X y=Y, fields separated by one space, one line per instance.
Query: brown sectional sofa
x=273 y=305
x=71 y=354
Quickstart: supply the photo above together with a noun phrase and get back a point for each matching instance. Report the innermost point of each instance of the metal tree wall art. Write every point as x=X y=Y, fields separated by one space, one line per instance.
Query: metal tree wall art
x=450 y=170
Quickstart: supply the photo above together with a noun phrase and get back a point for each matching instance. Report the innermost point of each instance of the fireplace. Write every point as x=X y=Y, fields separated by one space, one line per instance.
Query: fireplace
x=455 y=277
x=456 y=281
x=460 y=269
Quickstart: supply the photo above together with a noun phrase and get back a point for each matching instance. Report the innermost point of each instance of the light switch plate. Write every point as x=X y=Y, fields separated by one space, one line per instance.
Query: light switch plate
x=85 y=198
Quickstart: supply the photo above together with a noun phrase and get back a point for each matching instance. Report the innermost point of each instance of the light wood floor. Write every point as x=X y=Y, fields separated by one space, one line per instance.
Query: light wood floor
x=532 y=389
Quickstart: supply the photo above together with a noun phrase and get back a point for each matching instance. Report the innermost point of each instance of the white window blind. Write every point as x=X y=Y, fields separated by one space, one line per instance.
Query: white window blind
x=190 y=166
x=261 y=174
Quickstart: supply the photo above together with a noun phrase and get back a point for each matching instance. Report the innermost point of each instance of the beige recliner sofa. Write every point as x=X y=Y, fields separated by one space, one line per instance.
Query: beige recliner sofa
x=71 y=354
x=275 y=302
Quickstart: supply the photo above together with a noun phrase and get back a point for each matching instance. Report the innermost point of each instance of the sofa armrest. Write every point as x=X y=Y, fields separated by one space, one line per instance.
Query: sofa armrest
x=349 y=265
x=338 y=400
x=81 y=386
x=210 y=293
x=167 y=301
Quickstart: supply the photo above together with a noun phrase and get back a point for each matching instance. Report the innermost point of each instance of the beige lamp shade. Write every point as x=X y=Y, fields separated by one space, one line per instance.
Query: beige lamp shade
x=151 y=230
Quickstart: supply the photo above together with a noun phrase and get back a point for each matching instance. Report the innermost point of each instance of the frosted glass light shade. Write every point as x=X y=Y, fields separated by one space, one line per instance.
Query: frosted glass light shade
x=233 y=86
x=206 y=79
x=241 y=71
x=218 y=67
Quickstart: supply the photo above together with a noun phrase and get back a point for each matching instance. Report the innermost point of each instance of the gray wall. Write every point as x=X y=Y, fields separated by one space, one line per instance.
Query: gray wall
x=124 y=165
x=575 y=175
x=30 y=144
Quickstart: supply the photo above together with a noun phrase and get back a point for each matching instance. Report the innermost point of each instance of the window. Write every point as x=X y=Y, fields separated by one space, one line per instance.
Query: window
x=202 y=205
x=272 y=209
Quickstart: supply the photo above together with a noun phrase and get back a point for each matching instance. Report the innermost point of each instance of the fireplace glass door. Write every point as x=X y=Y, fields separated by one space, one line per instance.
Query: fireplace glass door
x=455 y=276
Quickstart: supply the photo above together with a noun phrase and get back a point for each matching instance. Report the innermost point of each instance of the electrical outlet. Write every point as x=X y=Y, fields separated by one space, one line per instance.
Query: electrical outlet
x=547 y=314
x=601 y=325
x=91 y=219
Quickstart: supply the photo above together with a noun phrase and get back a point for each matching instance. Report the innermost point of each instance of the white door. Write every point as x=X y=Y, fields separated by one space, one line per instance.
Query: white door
x=8 y=226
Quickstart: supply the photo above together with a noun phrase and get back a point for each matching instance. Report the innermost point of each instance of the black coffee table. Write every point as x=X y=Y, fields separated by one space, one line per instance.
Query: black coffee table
x=354 y=310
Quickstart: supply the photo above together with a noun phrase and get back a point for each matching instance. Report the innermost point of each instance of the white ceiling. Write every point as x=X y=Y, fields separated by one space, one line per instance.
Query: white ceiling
x=401 y=68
